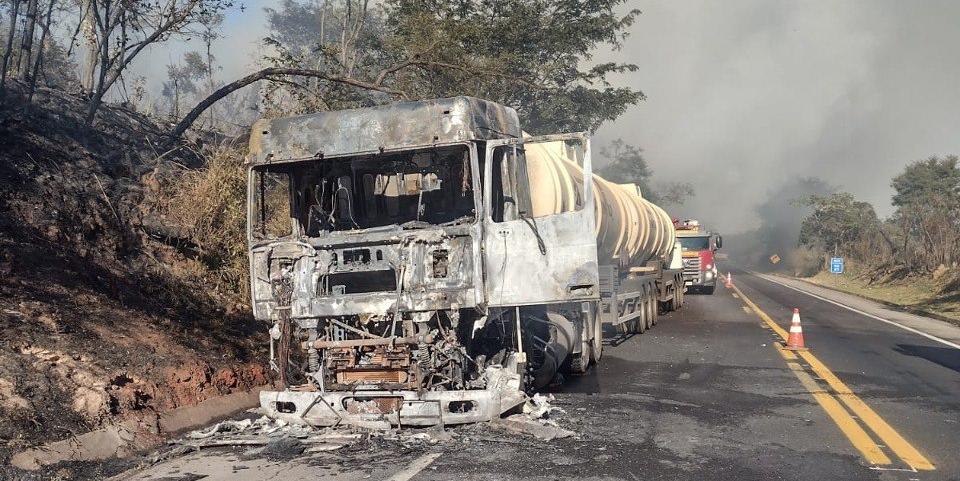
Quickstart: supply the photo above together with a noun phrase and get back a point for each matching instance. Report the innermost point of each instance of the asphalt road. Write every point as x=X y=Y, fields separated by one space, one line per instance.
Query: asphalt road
x=704 y=395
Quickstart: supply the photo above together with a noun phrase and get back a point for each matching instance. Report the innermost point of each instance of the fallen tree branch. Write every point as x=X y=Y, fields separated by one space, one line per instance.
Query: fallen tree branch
x=272 y=73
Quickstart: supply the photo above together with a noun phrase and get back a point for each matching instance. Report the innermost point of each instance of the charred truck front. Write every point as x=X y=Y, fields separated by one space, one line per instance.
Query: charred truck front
x=393 y=253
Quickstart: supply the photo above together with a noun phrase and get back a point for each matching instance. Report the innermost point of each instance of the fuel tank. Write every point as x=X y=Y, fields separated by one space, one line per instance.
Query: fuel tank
x=630 y=230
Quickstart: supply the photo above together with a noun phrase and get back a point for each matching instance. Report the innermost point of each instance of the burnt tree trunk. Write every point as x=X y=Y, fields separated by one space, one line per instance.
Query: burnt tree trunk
x=88 y=26
x=39 y=61
x=26 y=42
x=14 y=13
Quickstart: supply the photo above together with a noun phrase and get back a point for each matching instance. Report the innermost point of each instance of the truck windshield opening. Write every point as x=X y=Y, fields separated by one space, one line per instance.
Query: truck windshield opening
x=412 y=189
x=694 y=243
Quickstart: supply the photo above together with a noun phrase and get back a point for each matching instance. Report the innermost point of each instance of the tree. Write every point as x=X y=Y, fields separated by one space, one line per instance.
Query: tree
x=125 y=28
x=927 y=197
x=8 y=51
x=26 y=40
x=627 y=165
x=839 y=223
x=181 y=81
x=523 y=53
x=539 y=48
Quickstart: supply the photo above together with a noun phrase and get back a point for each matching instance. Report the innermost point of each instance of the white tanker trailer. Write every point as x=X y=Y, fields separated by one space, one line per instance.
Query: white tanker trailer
x=423 y=263
x=640 y=267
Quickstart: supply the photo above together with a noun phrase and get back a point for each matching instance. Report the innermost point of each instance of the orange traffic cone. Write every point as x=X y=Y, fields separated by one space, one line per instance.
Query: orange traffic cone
x=795 y=340
x=729 y=282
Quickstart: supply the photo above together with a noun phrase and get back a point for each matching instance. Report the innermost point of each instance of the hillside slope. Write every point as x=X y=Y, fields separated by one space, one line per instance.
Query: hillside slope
x=99 y=320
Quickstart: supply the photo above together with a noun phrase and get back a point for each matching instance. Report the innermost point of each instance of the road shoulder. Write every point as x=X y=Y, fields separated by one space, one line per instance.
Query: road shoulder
x=935 y=329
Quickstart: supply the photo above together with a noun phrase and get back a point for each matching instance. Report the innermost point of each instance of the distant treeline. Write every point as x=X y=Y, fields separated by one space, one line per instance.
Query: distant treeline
x=808 y=221
x=922 y=235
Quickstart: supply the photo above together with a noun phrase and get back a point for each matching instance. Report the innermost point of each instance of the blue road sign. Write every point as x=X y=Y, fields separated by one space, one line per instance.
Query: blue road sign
x=836 y=265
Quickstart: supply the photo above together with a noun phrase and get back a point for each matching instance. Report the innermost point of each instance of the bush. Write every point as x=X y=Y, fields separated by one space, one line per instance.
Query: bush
x=209 y=207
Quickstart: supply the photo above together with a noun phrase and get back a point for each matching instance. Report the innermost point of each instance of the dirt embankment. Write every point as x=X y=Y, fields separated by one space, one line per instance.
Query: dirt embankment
x=101 y=317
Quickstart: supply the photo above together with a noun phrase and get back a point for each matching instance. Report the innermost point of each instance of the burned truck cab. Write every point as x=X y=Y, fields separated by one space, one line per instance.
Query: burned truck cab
x=370 y=239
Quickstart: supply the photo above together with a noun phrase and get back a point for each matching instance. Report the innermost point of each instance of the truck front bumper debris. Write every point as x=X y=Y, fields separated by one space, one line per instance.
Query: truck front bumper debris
x=371 y=408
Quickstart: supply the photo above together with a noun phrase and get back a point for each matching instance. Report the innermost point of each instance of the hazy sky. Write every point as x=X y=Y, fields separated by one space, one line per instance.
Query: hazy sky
x=744 y=95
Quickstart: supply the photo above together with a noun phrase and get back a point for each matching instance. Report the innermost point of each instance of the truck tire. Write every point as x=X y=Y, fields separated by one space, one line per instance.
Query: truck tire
x=647 y=308
x=644 y=318
x=709 y=290
x=580 y=362
x=681 y=291
x=677 y=300
x=596 y=349
x=655 y=308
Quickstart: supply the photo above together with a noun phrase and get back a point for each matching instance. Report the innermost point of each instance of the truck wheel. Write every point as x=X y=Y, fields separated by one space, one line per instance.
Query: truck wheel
x=652 y=318
x=648 y=318
x=654 y=309
x=683 y=293
x=675 y=303
x=580 y=362
x=596 y=349
x=709 y=290
x=640 y=322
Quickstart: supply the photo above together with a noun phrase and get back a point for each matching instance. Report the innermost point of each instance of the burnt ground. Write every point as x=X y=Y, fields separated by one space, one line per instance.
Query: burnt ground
x=99 y=319
x=702 y=396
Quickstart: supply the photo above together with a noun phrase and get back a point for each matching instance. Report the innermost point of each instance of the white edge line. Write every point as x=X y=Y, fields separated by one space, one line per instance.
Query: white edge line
x=415 y=467
x=858 y=311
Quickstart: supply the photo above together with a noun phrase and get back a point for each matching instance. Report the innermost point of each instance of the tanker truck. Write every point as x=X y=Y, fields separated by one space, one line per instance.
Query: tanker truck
x=423 y=263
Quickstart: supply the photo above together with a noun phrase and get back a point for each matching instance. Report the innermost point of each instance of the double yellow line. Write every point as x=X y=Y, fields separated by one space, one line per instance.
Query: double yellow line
x=843 y=419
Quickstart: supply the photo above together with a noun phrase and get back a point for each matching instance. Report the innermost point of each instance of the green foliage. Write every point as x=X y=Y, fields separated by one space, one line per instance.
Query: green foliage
x=626 y=165
x=532 y=55
x=838 y=222
x=927 y=179
x=528 y=54
x=928 y=212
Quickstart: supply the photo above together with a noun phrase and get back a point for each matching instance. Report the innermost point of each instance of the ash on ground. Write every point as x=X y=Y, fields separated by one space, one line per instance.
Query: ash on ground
x=258 y=436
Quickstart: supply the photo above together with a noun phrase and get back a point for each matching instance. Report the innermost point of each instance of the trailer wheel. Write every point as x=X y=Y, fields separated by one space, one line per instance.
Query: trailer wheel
x=652 y=319
x=643 y=321
x=674 y=303
x=579 y=363
x=596 y=349
x=681 y=292
x=654 y=309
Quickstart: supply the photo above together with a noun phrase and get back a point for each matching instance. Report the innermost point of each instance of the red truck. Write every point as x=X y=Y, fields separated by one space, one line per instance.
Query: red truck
x=698 y=246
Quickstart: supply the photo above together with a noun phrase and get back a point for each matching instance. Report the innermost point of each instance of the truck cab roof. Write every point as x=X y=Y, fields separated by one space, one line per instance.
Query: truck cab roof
x=396 y=126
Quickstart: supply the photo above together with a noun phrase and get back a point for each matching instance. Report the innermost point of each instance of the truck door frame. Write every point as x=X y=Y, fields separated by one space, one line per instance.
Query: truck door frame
x=543 y=260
